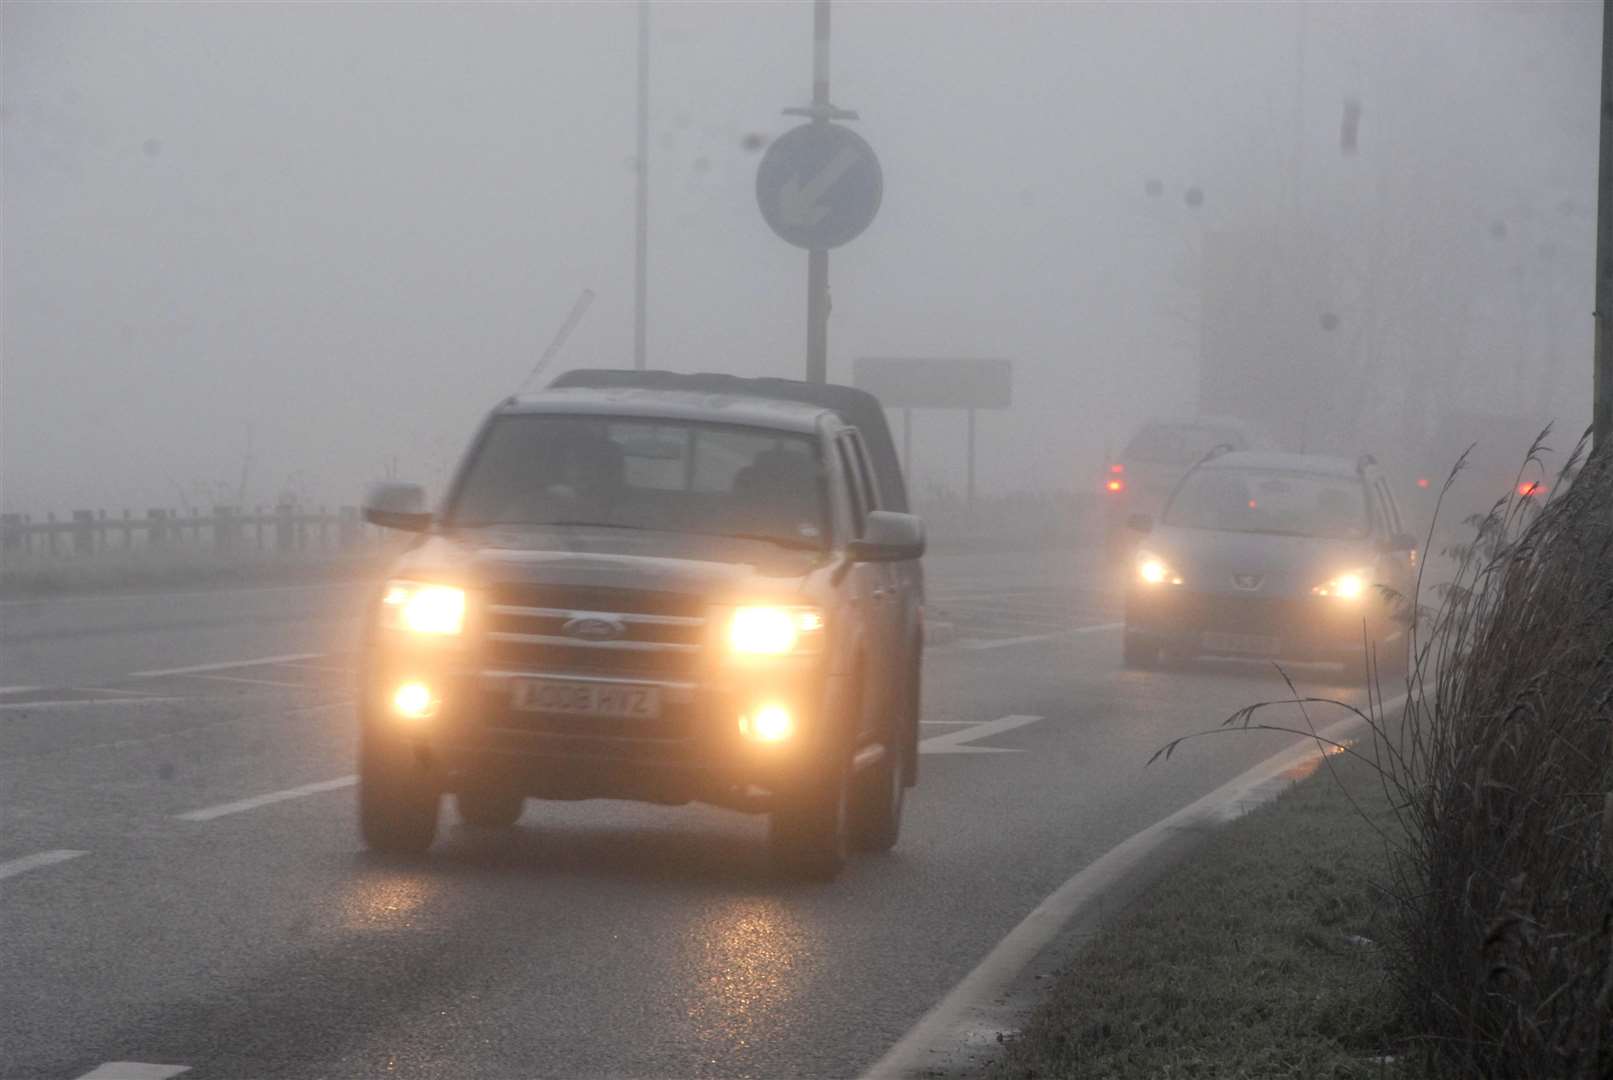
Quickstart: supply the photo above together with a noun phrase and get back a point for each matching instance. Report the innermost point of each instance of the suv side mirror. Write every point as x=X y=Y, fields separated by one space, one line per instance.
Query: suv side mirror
x=1140 y=523
x=889 y=537
x=397 y=506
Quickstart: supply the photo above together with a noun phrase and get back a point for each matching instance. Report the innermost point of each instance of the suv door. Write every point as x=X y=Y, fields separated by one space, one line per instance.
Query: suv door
x=876 y=585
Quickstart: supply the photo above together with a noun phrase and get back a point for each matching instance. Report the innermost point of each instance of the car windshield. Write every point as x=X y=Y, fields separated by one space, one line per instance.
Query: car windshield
x=1271 y=501
x=672 y=476
x=1177 y=444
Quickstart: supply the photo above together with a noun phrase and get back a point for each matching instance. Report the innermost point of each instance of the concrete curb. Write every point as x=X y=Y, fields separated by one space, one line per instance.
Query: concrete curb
x=959 y=1034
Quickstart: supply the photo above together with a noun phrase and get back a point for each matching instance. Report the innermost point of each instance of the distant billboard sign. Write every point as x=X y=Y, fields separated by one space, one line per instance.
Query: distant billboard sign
x=928 y=383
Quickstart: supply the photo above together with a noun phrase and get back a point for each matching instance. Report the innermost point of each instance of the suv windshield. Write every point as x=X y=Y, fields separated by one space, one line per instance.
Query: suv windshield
x=673 y=476
x=1271 y=501
x=1178 y=444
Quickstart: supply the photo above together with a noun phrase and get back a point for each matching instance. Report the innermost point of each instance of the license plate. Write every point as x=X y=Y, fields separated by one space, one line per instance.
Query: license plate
x=587 y=699
x=1244 y=644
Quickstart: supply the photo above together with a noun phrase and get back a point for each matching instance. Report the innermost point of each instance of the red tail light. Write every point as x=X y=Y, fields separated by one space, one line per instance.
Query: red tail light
x=1117 y=468
x=1528 y=489
x=1422 y=481
x=1115 y=486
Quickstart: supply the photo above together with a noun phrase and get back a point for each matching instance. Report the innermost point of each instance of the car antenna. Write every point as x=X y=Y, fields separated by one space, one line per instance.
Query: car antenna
x=560 y=337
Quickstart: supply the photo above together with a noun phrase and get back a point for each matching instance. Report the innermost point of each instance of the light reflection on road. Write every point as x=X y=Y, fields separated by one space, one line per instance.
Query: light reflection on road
x=750 y=958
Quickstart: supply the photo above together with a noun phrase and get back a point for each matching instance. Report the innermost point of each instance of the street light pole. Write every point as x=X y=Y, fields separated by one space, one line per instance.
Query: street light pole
x=817 y=365
x=1602 y=377
x=642 y=161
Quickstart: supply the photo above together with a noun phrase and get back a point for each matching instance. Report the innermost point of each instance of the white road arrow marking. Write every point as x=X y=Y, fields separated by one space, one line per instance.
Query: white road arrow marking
x=955 y=742
x=798 y=203
x=211 y=812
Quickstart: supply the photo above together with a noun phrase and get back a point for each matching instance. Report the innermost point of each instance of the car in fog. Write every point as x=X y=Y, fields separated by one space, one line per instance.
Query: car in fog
x=661 y=588
x=1495 y=467
x=1262 y=554
x=1155 y=458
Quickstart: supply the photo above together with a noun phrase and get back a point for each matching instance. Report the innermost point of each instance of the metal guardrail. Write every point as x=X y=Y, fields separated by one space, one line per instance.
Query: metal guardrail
x=284 y=529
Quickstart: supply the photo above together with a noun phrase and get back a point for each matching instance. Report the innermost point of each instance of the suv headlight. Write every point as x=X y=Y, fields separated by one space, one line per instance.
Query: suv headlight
x=775 y=631
x=1350 y=585
x=1152 y=570
x=423 y=609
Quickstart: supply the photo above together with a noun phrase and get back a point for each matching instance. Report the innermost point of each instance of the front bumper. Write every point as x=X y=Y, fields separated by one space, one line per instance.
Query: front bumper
x=694 y=751
x=1190 y=623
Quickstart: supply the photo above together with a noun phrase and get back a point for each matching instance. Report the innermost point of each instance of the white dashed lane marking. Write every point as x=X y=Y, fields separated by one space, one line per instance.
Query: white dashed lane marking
x=133 y=1070
x=225 y=665
x=208 y=813
x=35 y=862
x=76 y=704
x=251 y=682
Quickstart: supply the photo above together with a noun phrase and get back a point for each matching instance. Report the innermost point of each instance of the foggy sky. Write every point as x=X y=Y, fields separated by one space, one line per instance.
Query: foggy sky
x=311 y=243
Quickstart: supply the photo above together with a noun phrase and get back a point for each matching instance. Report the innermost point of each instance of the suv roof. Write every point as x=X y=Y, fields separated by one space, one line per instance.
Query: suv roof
x=671 y=405
x=1320 y=464
x=858 y=408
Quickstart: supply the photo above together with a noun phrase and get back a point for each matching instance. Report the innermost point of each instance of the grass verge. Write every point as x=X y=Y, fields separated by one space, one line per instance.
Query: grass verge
x=1259 y=958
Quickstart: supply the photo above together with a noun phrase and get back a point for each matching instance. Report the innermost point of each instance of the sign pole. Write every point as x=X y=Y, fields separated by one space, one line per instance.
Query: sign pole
x=971 y=495
x=1602 y=374
x=817 y=365
x=907 y=441
x=642 y=245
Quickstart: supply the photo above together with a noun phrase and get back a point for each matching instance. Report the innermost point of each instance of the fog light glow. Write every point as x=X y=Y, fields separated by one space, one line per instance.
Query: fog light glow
x=769 y=724
x=414 y=700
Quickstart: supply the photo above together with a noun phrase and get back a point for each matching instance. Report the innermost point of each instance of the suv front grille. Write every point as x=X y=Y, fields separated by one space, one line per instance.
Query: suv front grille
x=610 y=632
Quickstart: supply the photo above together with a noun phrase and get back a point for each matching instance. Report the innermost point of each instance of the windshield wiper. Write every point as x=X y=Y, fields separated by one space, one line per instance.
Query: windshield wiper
x=540 y=525
x=588 y=525
x=797 y=543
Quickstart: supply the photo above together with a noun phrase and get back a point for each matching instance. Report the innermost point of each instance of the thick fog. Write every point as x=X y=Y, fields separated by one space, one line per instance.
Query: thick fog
x=259 y=250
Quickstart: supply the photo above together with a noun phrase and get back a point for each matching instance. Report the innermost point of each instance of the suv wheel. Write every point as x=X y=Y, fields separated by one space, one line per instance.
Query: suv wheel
x=810 y=831
x=879 y=790
x=397 y=798
x=489 y=805
x=1137 y=651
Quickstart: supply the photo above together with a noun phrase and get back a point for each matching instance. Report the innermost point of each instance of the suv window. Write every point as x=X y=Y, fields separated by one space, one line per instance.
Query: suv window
x=855 y=471
x=675 y=476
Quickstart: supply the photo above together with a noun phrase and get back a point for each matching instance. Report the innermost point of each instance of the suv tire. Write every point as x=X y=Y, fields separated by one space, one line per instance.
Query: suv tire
x=810 y=830
x=489 y=805
x=397 y=798
x=879 y=790
x=1138 y=651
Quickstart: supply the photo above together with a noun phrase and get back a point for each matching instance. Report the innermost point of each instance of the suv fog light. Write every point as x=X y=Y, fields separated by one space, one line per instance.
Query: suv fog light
x=769 y=724
x=414 y=700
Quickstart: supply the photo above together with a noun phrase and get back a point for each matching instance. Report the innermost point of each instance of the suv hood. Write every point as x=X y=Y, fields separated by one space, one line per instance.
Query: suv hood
x=1286 y=565
x=710 y=566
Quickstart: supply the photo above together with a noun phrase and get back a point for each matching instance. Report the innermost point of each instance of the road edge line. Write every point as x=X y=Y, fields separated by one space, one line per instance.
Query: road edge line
x=947 y=1028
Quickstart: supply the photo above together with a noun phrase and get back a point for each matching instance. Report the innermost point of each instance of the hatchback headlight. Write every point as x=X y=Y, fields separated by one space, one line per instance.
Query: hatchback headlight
x=775 y=631
x=422 y=608
x=1350 y=585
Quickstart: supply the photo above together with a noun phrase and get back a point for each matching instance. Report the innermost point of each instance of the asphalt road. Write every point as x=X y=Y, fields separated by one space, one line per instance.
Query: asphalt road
x=181 y=882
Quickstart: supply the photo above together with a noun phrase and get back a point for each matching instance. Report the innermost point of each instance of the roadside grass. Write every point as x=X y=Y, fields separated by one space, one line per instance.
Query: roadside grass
x=1258 y=958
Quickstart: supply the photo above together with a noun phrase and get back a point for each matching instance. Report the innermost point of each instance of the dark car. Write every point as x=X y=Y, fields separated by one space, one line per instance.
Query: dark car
x=1272 y=555
x=636 y=591
x=1160 y=451
x=1493 y=448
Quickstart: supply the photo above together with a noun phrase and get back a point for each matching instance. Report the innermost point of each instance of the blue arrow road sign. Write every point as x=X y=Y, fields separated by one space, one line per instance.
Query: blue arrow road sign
x=819 y=185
